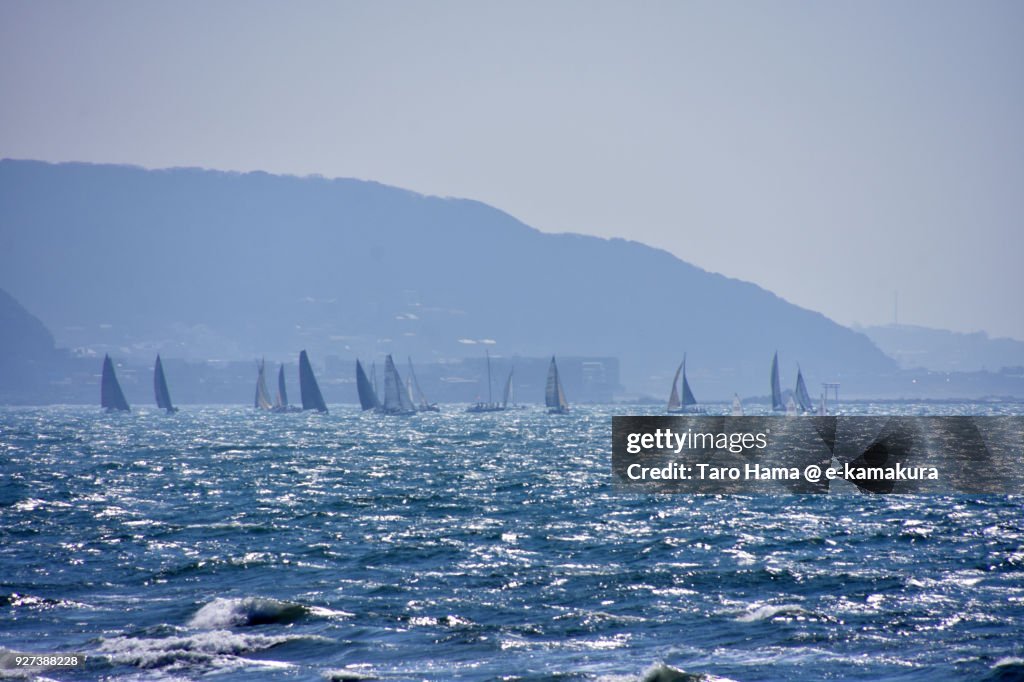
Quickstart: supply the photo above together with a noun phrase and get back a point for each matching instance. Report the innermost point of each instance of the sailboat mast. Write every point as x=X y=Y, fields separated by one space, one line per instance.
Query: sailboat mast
x=489 y=397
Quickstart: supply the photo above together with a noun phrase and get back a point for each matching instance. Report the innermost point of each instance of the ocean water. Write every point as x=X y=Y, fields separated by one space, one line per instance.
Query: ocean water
x=220 y=542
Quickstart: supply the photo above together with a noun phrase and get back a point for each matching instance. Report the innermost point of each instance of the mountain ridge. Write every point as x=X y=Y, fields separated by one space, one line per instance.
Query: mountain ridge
x=205 y=263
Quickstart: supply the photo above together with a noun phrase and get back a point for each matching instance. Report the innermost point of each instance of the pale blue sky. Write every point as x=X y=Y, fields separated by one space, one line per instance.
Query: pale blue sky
x=831 y=152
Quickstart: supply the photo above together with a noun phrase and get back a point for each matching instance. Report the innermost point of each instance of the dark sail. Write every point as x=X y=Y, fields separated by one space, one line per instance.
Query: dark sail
x=803 y=398
x=673 y=397
x=111 y=395
x=282 y=392
x=163 y=396
x=688 y=398
x=776 y=387
x=311 y=396
x=554 y=396
x=367 y=396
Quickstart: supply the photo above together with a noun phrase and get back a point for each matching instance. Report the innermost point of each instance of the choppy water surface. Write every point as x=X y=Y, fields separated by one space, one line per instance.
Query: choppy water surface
x=452 y=546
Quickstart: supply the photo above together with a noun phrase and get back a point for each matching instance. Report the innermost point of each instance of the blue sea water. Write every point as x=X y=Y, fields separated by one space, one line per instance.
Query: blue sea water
x=448 y=546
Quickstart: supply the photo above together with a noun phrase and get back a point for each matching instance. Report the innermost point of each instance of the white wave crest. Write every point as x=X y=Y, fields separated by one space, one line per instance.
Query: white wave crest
x=227 y=613
x=346 y=675
x=219 y=649
x=770 y=611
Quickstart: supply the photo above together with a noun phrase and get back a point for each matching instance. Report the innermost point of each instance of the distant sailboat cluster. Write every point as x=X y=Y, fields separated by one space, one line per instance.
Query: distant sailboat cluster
x=400 y=398
x=800 y=401
x=112 y=397
x=280 y=404
x=407 y=397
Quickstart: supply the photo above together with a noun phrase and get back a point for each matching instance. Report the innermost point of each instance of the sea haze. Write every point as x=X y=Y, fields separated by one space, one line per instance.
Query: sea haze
x=478 y=547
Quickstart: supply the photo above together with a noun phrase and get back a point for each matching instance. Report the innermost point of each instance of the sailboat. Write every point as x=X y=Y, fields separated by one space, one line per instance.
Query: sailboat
x=367 y=394
x=312 y=399
x=419 y=399
x=688 y=404
x=262 y=400
x=111 y=395
x=737 y=405
x=396 y=397
x=490 y=405
x=163 y=396
x=508 y=397
x=803 y=398
x=777 y=404
x=554 y=396
x=281 y=402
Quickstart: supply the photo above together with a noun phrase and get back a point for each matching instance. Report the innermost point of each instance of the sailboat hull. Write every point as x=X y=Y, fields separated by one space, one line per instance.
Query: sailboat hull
x=689 y=409
x=485 y=407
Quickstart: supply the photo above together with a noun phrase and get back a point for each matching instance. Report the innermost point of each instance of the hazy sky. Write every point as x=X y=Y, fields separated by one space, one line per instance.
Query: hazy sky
x=832 y=152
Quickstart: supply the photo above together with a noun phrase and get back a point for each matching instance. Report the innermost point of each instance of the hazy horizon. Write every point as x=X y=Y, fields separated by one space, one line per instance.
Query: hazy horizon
x=833 y=154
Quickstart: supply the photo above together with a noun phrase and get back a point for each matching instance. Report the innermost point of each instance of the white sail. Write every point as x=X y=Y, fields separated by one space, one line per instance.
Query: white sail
x=554 y=395
x=416 y=394
x=262 y=401
x=737 y=405
x=508 y=394
x=396 y=399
